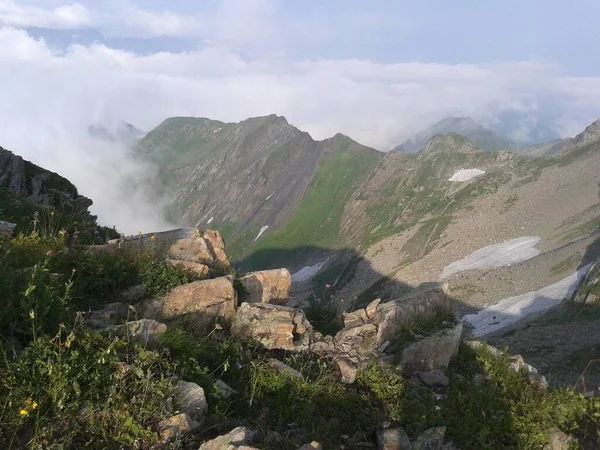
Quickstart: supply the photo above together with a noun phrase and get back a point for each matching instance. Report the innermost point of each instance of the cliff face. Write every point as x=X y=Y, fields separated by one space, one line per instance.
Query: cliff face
x=25 y=180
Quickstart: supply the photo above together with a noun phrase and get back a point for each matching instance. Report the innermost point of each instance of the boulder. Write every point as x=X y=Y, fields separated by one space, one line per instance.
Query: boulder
x=392 y=439
x=143 y=331
x=273 y=326
x=359 y=343
x=314 y=445
x=390 y=316
x=110 y=314
x=216 y=245
x=133 y=294
x=191 y=398
x=175 y=426
x=195 y=269
x=347 y=370
x=236 y=438
x=557 y=440
x=209 y=300
x=434 y=378
x=431 y=439
x=371 y=309
x=6 y=229
x=433 y=352
x=267 y=286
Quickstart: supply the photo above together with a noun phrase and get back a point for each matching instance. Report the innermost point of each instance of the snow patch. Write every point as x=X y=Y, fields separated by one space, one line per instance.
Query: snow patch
x=218 y=129
x=511 y=310
x=307 y=272
x=497 y=255
x=209 y=220
x=466 y=174
x=260 y=233
x=270 y=196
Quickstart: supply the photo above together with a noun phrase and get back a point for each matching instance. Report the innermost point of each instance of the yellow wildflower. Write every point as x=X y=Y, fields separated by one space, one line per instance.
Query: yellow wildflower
x=152 y=237
x=34 y=405
x=23 y=413
x=51 y=213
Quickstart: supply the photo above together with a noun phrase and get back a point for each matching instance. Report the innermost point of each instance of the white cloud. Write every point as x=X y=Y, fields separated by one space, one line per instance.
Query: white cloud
x=15 y=14
x=49 y=100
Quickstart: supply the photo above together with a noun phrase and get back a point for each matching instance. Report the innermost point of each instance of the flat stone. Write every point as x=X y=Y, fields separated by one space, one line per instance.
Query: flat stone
x=235 y=439
x=191 y=398
x=355 y=318
x=434 y=378
x=393 y=439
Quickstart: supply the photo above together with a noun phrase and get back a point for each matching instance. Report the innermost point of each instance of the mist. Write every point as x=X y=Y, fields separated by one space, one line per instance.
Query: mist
x=51 y=97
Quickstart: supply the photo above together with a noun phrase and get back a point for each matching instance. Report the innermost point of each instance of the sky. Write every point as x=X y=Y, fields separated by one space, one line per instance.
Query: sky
x=376 y=71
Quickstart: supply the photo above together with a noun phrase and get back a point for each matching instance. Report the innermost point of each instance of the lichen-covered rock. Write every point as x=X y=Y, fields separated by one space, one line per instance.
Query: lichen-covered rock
x=434 y=378
x=236 y=438
x=175 y=426
x=273 y=326
x=143 y=331
x=267 y=286
x=433 y=352
x=358 y=342
x=208 y=300
x=216 y=245
x=393 y=439
x=558 y=440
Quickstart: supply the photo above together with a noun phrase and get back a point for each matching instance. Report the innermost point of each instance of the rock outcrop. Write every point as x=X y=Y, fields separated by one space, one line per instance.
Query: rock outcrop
x=209 y=300
x=267 y=286
x=433 y=352
x=273 y=326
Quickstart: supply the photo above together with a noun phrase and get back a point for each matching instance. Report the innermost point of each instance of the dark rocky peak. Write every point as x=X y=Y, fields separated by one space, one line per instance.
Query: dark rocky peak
x=449 y=143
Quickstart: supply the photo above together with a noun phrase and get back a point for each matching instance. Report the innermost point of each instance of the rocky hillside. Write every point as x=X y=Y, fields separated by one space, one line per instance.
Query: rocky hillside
x=476 y=133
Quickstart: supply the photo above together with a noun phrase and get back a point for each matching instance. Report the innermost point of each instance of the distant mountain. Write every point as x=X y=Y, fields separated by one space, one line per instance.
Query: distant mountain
x=560 y=146
x=449 y=143
x=480 y=136
x=117 y=131
x=524 y=129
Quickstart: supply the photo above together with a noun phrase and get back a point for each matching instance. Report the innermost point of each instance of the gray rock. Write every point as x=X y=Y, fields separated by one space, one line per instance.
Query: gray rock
x=314 y=445
x=282 y=367
x=143 y=331
x=392 y=439
x=433 y=352
x=371 y=309
x=236 y=438
x=431 y=439
x=347 y=370
x=191 y=398
x=434 y=378
x=133 y=294
x=225 y=390
x=110 y=314
x=557 y=440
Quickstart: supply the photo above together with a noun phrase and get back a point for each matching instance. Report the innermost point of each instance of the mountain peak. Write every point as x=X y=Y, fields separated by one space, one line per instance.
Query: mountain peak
x=480 y=136
x=449 y=142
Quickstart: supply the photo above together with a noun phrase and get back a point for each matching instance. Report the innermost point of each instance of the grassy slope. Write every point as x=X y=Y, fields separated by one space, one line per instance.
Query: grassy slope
x=316 y=222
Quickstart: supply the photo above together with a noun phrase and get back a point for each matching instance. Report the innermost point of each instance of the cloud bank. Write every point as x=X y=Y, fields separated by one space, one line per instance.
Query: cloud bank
x=51 y=97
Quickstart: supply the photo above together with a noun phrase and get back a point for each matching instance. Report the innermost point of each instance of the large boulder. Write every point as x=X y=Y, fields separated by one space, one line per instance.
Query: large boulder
x=182 y=244
x=273 y=326
x=198 y=270
x=191 y=398
x=433 y=352
x=267 y=286
x=208 y=300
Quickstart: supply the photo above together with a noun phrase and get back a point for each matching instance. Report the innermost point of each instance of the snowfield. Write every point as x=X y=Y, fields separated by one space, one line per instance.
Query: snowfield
x=307 y=272
x=513 y=309
x=496 y=255
x=465 y=174
x=260 y=233
x=209 y=220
